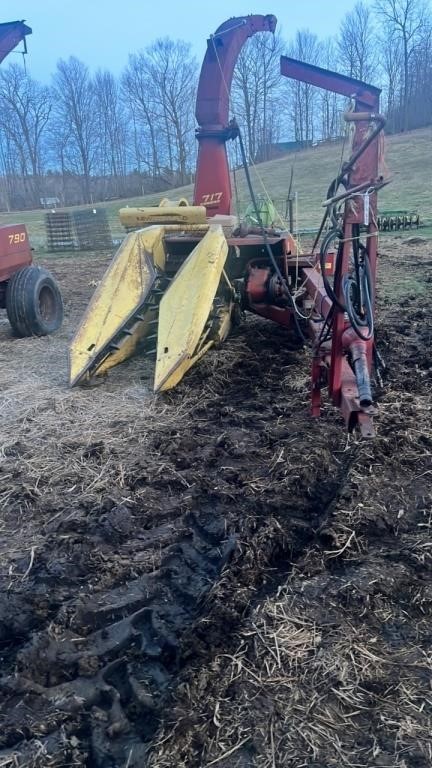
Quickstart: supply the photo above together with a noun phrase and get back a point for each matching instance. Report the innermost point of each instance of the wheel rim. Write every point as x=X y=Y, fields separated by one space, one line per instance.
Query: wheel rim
x=47 y=304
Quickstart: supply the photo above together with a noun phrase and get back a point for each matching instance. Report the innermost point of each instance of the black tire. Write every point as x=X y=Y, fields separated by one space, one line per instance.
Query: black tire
x=34 y=304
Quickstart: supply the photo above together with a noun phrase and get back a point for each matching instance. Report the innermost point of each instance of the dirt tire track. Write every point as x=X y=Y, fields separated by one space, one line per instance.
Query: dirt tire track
x=348 y=681
x=95 y=672
x=138 y=587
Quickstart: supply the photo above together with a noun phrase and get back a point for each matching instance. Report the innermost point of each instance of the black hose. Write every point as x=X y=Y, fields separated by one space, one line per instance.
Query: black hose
x=360 y=283
x=363 y=321
x=325 y=245
x=330 y=211
x=264 y=235
x=356 y=254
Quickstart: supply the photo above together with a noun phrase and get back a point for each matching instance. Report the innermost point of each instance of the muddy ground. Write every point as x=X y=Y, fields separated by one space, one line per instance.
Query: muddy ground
x=211 y=577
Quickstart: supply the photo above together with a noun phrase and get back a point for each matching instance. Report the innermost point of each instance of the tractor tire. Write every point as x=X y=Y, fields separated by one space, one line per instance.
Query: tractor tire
x=34 y=304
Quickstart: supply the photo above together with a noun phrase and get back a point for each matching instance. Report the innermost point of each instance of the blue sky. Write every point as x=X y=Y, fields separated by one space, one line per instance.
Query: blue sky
x=103 y=32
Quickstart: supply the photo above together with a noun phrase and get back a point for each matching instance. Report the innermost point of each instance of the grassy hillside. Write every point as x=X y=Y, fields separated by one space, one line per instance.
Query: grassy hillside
x=407 y=159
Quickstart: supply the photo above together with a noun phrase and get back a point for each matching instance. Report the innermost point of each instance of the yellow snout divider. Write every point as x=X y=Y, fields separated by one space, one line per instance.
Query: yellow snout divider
x=118 y=315
x=185 y=309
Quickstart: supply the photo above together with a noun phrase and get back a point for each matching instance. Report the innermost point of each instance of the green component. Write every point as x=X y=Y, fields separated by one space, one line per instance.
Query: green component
x=267 y=212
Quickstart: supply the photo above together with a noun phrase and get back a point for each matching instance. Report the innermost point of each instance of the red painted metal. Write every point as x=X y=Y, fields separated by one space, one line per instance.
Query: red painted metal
x=257 y=284
x=315 y=288
x=15 y=251
x=339 y=325
x=261 y=293
x=11 y=34
x=212 y=183
x=280 y=315
x=345 y=351
x=365 y=95
x=223 y=48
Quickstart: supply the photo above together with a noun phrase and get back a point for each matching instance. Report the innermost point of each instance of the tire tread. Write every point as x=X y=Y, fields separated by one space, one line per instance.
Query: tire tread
x=21 y=302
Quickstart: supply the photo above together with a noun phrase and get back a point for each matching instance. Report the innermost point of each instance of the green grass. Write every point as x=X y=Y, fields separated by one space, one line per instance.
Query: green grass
x=406 y=161
x=396 y=290
x=424 y=230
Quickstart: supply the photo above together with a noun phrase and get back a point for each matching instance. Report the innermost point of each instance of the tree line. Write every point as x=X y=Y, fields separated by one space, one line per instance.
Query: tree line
x=91 y=137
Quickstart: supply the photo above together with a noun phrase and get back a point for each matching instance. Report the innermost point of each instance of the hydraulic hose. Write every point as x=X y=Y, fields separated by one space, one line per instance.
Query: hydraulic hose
x=330 y=211
x=264 y=234
x=363 y=324
x=361 y=317
x=325 y=245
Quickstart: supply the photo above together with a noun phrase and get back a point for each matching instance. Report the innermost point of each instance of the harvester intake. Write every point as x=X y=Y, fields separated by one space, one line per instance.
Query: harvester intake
x=137 y=303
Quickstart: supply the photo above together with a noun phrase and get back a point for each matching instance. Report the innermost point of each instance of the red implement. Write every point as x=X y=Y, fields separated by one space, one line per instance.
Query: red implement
x=15 y=251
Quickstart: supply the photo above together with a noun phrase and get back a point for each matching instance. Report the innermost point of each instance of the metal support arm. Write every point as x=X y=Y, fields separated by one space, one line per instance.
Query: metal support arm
x=11 y=34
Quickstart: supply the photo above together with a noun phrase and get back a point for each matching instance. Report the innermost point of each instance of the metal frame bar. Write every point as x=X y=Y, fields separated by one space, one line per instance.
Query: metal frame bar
x=330 y=361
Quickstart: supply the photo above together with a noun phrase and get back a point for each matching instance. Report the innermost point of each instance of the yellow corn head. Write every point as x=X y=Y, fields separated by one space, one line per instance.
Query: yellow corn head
x=177 y=307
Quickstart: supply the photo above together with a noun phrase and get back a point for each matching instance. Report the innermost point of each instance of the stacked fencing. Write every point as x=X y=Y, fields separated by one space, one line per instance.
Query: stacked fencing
x=390 y=220
x=83 y=230
x=59 y=233
x=92 y=229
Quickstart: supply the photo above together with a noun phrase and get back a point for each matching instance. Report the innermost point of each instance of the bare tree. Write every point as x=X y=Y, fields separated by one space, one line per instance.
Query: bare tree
x=25 y=108
x=159 y=87
x=391 y=64
x=256 y=92
x=57 y=146
x=404 y=20
x=420 y=79
x=139 y=97
x=75 y=109
x=303 y=96
x=330 y=104
x=111 y=129
x=9 y=171
x=174 y=73
x=356 y=44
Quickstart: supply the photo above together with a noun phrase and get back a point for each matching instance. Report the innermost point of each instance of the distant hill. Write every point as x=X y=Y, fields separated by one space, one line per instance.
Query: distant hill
x=407 y=159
